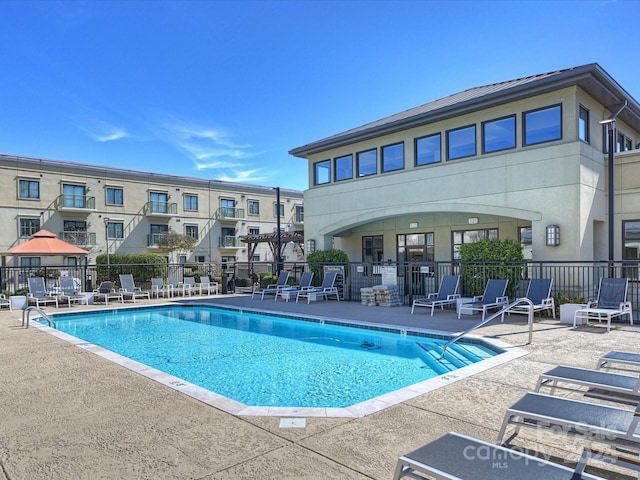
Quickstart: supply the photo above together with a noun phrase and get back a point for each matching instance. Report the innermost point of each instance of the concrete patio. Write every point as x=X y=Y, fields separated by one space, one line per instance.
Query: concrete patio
x=70 y=414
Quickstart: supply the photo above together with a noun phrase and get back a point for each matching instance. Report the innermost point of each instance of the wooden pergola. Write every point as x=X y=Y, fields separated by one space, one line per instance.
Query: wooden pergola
x=252 y=241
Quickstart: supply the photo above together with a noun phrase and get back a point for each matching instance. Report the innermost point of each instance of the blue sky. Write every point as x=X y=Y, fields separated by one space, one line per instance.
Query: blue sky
x=224 y=89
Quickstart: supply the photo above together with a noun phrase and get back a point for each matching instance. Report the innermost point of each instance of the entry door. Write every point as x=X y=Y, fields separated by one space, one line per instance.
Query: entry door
x=158 y=202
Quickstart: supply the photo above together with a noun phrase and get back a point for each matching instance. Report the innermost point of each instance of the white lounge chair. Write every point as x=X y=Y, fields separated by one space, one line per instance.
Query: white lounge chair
x=106 y=292
x=611 y=302
x=584 y=377
x=292 y=290
x=323 y=291
x=38 y=293
x=5 y=302
x=493 y=297
x=207 y=285
x=272 y=289
x=446 y=295
x=617 y=426
x=188 y=286
x=68 y=292
x=539 y=292
x=457 y=456
x=130 y=291
x=615 y=356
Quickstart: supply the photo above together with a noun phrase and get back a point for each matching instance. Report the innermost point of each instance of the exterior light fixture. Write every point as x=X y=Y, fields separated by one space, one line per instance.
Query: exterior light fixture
x=553 y=235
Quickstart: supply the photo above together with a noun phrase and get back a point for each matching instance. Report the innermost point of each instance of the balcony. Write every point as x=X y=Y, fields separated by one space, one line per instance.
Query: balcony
x=297 y=219
x=230 y=214
x=161 y=209
x=79 y=239
x=76 y=204
x=229 y=242
x=154 y=240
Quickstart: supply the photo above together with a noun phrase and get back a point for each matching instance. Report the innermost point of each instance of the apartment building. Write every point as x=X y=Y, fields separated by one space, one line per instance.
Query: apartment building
x=526 y=159
x=103 y=209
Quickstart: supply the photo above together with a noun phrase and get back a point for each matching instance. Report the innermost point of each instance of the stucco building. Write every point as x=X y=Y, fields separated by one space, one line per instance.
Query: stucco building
x=100 y=209
x=525 y=159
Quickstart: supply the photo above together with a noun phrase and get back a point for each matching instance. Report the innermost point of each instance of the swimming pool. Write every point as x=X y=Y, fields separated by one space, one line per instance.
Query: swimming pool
x=260 y=360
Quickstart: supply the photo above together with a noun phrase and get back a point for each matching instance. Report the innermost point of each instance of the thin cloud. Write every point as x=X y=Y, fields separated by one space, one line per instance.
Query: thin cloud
x=245 y=176
x=105 y=132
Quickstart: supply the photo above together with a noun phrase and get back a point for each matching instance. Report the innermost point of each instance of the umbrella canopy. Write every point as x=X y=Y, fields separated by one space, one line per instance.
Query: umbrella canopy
x=45 y=243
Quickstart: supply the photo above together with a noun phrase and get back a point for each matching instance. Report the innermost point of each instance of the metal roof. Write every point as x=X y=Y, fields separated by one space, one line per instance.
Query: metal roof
x=591 y=78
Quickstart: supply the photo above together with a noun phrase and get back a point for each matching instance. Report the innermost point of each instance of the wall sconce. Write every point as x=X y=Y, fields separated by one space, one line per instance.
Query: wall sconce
x=311 y=246
x=553 y=235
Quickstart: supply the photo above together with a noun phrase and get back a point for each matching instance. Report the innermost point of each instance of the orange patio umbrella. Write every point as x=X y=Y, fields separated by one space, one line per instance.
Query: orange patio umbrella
x=44 y=242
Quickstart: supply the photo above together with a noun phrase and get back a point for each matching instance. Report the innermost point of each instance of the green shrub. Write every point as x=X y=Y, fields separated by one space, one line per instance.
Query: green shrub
x=143 y=266
x=318 y=259
x=488 y=259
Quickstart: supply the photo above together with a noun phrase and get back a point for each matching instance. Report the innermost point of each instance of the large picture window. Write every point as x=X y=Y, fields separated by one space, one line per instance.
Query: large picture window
x=393 y=157
x=367 y=162
x=343 y=167
x=322 y=172
x=461 y=237
x=461 y=142
x=499 y=134
x=544 y=125
x=428 y=149
x=416 y=247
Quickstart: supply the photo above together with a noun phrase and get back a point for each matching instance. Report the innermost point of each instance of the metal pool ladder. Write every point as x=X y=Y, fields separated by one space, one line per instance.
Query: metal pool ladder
x=27 y=312
x=502 y=311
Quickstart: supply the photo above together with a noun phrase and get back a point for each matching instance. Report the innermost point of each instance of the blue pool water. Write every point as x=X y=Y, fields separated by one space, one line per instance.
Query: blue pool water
x=264 y=360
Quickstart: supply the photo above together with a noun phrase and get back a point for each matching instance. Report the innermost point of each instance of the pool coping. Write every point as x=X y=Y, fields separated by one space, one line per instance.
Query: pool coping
x=368 y=407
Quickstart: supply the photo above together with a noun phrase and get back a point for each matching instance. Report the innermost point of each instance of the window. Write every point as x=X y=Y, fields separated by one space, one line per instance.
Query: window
x=29 y=226
x=461 y=142
x=299 y=213
x=416 y=247
x=191 y=231
x=499 y=134
x=228 y=237
x=343 y=167
x=628 y=145
x=73 y=196
x=191 y=202
x=158 y=202
x=115 y=196
x=200 y=259
x=182 y=259
x=322 y=172
x=30 y=262
x=428 y=150
x=583 y=124
x=619 y=142
x=255 y=258
x=156 y=233
x=372 y=249
x=253 y=231
x=115 y=229
x=29 y=189
x=544 y=125
x=278 y=210
x=393 y=157
x=525 y=235
x=631 y=239
x=367 y=162
x=471 y=236
x=253 y=207
x=75 y=226
x=228 y=208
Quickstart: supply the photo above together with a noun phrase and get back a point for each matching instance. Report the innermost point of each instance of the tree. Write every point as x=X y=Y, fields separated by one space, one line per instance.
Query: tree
x=177 y=244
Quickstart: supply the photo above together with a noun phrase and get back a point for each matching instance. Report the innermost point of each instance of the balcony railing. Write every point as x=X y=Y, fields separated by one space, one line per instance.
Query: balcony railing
x=79 y=239
x=161 y=209
x=155 y=239
x=229 y=242
x=297 y=218
x=230 y=213
x=76 y=203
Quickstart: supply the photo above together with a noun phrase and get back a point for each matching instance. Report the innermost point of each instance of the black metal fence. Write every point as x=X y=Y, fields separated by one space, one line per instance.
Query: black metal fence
x=573 y=282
